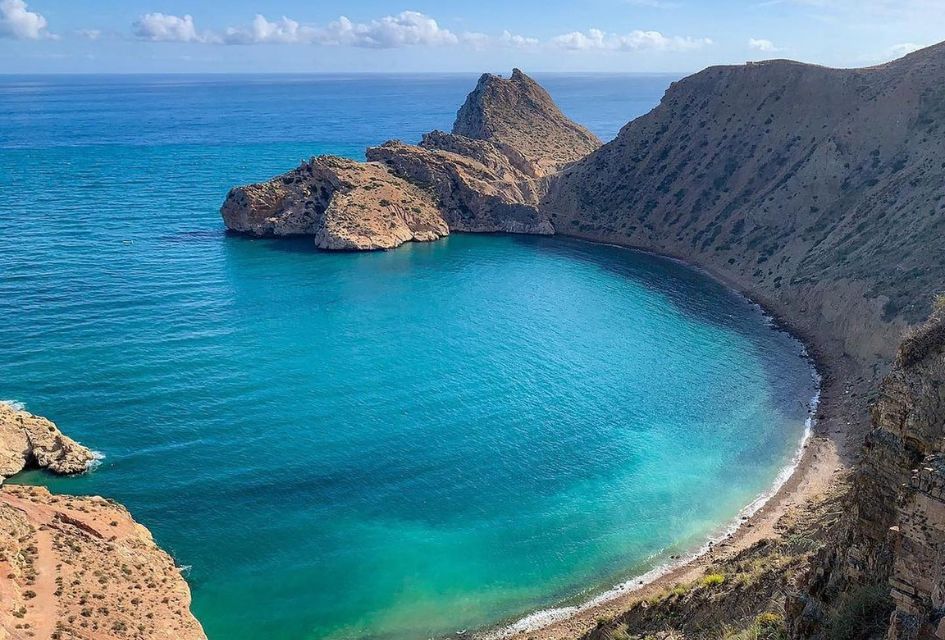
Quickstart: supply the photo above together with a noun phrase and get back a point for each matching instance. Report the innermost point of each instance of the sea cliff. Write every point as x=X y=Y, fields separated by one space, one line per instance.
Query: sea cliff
x=78 y=567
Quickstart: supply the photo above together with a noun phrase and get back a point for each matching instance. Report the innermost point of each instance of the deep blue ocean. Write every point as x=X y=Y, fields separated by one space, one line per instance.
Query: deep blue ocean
x=391 y=445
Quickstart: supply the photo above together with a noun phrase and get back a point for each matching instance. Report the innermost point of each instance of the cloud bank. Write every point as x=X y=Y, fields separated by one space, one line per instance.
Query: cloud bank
x=406 y=29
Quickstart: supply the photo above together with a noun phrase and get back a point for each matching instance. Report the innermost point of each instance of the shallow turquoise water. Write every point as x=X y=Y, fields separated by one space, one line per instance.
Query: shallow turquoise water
x=390 y=445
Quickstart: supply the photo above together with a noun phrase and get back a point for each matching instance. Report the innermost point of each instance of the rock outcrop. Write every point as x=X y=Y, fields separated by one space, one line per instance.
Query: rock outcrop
x=78 y=567
x=480 y=192
x=486 y=176
x=894 y=539
x=520 y=115
x=343 y=204
x=28 y=441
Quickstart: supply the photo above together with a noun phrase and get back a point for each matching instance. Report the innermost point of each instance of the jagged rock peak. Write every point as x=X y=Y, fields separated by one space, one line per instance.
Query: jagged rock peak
x=518 y=113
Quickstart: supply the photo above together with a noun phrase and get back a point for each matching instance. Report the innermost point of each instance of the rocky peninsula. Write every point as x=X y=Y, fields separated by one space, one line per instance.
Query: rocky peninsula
x=78 y=567
x=819 y=193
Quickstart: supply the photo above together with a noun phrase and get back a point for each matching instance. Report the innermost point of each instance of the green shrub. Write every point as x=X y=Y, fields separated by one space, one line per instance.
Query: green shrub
x=860 y=613
x=770 y=626
x=712 y=579
x=938 y=303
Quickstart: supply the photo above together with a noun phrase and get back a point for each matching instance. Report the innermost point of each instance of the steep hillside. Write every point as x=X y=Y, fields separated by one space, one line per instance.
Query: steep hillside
x=893 y=542
x=820 y=190
x=519 y=113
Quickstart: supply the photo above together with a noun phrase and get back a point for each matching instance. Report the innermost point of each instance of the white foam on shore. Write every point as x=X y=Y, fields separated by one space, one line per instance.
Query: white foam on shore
x=546 y=617
x=95 y=462
x=16 y=405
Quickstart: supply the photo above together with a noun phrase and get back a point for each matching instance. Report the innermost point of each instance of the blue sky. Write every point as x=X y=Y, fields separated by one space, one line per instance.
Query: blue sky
x=38 y=36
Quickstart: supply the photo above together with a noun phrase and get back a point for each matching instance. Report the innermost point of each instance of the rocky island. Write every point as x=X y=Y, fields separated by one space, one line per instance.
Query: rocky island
x=818 y=192
x=78 y=567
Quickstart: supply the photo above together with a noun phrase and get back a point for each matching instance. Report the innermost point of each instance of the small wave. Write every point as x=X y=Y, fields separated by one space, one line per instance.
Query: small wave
x=546 y=617
x=95 y=462
x=185 y=569
x=16 y=405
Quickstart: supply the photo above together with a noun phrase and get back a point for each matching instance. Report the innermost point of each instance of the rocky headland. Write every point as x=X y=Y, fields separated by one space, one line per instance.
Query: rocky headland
x=488 y=175
x=78 y=567
x=818 y=192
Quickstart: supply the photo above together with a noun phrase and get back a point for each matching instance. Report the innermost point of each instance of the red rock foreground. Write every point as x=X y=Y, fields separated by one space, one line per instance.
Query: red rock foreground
x=78 y=567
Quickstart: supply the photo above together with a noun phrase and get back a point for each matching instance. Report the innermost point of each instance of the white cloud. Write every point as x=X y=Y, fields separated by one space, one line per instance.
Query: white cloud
x=405 y=29
x=262 y=31
x=90 y=34
x=18 y=22
x=634 y=41
x=517 y=41
x=760 y=44
x=905 y=48
x=480 y=41
x=161 y=27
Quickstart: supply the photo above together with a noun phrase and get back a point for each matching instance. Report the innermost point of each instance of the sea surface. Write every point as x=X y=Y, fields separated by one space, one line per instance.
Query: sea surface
x=394 y=445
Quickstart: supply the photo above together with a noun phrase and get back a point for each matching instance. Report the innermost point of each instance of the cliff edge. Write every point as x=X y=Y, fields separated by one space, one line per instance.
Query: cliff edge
x=78 y=567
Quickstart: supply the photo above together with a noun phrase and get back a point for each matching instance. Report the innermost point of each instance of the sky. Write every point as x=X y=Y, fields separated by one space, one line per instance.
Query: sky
x=263 y=36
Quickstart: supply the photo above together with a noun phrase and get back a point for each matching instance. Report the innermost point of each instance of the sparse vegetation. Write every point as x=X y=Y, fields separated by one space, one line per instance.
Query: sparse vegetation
x=712 y=580
x=860 y=613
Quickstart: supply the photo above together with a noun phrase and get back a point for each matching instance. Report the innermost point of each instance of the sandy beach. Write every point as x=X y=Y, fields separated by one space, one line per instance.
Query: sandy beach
x=824 y=458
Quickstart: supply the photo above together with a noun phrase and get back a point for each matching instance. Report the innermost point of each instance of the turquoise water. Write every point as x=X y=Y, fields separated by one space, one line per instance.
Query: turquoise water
x=390 y=445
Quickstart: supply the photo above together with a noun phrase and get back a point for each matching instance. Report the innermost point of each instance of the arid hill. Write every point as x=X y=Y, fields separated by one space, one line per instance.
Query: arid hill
x=519 y=113
x=819 y=190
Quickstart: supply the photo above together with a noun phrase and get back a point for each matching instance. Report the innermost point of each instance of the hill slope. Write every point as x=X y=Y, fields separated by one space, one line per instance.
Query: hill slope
x=820 y=190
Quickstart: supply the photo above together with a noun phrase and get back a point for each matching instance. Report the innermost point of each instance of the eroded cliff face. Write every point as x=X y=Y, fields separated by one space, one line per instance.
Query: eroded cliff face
x=894 y=539
x=486 y=176
x=78 y=567
x=822 y=191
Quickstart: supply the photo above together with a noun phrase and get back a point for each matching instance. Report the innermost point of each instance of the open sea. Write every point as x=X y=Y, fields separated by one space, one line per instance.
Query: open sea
x=396 y=445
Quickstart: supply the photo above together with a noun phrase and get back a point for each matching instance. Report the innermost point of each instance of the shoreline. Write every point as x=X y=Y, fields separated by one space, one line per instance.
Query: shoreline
x=815 y=465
